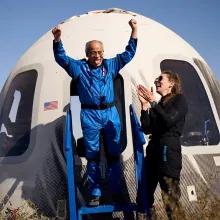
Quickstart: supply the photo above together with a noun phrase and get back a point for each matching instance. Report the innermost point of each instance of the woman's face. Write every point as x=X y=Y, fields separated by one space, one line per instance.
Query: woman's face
x=163 y=85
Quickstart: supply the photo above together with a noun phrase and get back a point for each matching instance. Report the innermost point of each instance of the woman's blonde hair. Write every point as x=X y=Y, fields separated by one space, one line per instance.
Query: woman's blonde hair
x=177 y=87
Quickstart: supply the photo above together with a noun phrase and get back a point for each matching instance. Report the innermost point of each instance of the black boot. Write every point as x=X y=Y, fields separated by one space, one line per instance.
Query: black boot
x=94 y=201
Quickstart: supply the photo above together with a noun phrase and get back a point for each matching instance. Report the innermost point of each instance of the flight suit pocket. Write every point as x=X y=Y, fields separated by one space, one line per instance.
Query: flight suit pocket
x=84 y=119
x=173 y=157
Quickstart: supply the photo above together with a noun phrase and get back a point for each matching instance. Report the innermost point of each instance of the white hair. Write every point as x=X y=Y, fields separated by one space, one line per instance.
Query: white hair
x=89 y=43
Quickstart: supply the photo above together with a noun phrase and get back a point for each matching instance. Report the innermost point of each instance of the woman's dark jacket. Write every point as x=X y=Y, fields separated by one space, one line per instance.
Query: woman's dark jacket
x=165 y=124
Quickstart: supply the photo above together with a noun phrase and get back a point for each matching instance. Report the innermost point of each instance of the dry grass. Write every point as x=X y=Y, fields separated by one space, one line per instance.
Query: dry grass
x=26 y=211
x=208 y=209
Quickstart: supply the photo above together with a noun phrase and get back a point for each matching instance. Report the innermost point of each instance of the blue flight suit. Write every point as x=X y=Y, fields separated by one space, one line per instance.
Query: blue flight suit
x=95 y=87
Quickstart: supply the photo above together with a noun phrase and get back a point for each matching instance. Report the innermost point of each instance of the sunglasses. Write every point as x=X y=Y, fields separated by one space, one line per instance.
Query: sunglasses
x=160 y=78
x=93 y=53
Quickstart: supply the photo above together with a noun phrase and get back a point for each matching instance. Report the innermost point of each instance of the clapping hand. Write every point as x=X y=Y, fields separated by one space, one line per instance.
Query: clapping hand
x=146 y=94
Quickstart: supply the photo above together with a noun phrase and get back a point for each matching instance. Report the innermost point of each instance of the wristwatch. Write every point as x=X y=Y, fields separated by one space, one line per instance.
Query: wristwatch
x=153 y=104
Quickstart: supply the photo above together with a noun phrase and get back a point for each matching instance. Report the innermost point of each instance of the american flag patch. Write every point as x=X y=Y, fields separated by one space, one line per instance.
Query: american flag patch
x=50 y=105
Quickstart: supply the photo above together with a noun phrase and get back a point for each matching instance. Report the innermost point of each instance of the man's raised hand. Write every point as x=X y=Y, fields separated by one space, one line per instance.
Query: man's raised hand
x=133 y=24
x=57 y=33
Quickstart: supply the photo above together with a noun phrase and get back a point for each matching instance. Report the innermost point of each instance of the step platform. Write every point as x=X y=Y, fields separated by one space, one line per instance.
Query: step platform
x=130 y=207
x=76 y=213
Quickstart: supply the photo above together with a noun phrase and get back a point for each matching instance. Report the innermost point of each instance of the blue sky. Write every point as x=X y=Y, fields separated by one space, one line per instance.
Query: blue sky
x=24 y=22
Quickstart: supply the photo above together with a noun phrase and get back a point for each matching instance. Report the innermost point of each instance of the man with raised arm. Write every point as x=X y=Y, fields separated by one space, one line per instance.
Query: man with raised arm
x=94 y=77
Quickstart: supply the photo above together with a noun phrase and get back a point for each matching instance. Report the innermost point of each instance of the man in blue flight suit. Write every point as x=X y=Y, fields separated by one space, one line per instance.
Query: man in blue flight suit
x=95 y=86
